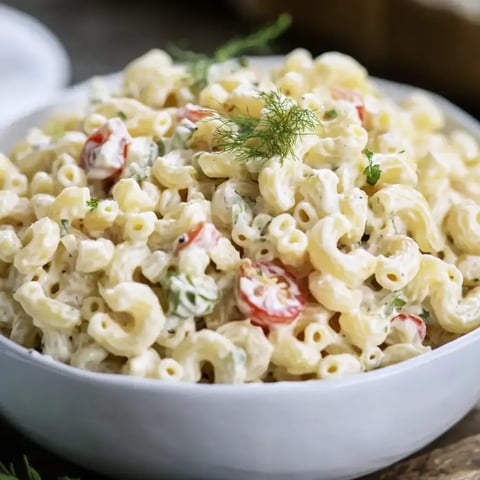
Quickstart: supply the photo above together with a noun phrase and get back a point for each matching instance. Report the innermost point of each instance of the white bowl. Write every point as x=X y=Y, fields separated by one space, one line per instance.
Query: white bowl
x=323 y=430
x=33 y=64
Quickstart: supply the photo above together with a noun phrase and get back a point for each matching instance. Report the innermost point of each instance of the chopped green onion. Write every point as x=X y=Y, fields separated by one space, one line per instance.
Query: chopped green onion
x=372 y=171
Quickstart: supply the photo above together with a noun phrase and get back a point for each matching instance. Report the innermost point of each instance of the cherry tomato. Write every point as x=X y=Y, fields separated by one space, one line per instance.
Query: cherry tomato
x=192 y=112
x=353 y=96
x=268 y=294
x=416 y=322
x=104 y=153
x=204 y=235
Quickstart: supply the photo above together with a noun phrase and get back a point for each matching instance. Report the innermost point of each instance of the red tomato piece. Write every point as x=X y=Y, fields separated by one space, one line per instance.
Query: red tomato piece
x=192 y=112
x=268 y=294
x=104 y=153
x=204 y=235
x=403 y=319
x=350 y=95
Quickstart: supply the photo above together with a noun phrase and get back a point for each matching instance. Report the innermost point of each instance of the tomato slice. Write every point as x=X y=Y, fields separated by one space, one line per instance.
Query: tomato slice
x=406 y=320
x=105 y=150
x=204 y=235
x=192 y=112
x=268 y=294
x=351 y=95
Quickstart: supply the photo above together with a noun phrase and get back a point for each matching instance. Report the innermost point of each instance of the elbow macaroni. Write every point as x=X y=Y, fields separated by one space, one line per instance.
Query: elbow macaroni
x=189 y=262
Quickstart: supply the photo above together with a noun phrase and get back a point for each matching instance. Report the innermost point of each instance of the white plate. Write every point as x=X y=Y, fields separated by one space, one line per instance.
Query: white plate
x=33 y=64
x=325 y=430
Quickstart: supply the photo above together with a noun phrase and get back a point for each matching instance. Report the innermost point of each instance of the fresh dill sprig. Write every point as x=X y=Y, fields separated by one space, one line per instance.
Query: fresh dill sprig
x=274 y=133
x=258 y=41
x=32 y=474
x=197 y=64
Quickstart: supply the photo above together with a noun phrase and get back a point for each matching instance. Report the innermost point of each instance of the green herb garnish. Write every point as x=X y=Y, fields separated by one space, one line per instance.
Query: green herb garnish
x=190 y=296
x=122 y=115
x=161 y=148
x=331 y=114
x=32 y=474
x=242 y=62
x=394 y=224
x=141 y=176
x=425 y=316
x=275 y=133
x=401 y=151
x=397 y=302
x=197 y=64
x=64 y=226
x=372 y=170
x=93 y=203
x=240 y=206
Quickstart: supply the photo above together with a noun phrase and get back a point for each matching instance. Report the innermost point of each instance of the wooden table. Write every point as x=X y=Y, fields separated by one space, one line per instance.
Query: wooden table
x=454 y=456
x=101 y=37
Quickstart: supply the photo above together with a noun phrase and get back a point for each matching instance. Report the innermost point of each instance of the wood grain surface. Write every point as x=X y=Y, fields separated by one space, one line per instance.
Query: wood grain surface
x=454 y=456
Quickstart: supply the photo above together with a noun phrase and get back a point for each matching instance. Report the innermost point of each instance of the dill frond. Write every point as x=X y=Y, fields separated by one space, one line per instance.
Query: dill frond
x=258 y=41
x=31 y=474
x=275 y=133
x=197 y=64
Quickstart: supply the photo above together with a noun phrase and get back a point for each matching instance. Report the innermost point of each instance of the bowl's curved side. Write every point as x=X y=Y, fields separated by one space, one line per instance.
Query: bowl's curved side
x=71 y=100
x=43 y=70
x=336 y=431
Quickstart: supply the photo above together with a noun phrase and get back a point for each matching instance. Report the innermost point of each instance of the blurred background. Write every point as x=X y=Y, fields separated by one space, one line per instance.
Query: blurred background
x=430 y=43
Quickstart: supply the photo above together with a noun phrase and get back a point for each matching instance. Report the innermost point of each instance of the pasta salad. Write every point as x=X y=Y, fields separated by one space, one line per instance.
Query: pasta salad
x=258 y=225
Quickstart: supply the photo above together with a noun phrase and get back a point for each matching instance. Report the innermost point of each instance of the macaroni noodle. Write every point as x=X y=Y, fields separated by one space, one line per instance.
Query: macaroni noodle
x=256 y=226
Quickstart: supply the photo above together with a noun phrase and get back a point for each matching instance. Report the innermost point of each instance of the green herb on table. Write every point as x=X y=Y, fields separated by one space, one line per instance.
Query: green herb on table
x=8 y=473
x=372 y=170
x=93 y=203
x=275 y=133
x=397 y=303
x=197 y=64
